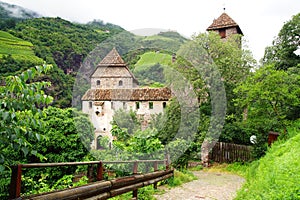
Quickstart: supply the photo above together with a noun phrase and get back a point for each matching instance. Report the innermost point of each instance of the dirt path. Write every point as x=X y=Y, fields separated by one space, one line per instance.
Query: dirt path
x=209 y=186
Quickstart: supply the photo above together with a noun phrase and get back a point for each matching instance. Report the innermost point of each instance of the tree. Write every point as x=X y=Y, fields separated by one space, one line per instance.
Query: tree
x=20 y=112
x=68 y=133
x=282 y=52
x=21 y=100
x=67 y=138
x=271 y=97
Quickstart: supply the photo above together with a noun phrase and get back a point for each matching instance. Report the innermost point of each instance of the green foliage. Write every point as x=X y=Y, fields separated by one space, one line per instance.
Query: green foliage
x=41 y=186
x=144 y=193
x=181 y=177
x=69 y=42
x=68 y=134
x=271 y=98
x=282 y=52
x=101 y=27
x=20 y=113
x=238 y=168
x=276 y=175
x=150 y=68
x=269 y=95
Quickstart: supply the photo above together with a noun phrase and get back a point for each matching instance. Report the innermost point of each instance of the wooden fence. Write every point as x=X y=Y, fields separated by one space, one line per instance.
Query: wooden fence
x=227 y=152
x=100 y=189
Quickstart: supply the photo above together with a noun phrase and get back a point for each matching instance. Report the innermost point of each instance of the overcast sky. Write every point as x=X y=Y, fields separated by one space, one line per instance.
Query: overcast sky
x=260 y=20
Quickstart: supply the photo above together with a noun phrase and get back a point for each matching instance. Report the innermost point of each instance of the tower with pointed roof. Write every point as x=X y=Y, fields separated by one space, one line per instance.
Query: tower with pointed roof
x=114 y=87
x=225 y=26
x=112 y=72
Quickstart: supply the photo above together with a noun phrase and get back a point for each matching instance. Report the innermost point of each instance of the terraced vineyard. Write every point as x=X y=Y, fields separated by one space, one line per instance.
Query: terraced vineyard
x=17 y=48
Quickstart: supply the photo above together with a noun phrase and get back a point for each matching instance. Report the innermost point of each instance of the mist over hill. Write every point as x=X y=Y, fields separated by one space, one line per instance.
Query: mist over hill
x=14 y=11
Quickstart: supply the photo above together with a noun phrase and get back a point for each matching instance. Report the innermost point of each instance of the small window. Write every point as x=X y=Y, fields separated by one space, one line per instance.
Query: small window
x=164 y=104
x=98 y=82
x=112 y=106
x=137 y=105
x=124 y=106
x=120 y=83
x=150 y=105
x=90 y=104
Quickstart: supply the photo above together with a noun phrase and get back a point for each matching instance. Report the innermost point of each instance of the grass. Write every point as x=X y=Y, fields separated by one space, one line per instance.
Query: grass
x=151 y=58
x=181 y=177
x=276 y=175
x=17 y=48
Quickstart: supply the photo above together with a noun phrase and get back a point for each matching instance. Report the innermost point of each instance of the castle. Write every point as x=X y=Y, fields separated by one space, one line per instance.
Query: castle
x=114 y=87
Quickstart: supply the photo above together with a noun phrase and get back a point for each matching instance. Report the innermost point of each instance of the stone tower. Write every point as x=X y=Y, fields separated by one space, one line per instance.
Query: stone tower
x=225 y=26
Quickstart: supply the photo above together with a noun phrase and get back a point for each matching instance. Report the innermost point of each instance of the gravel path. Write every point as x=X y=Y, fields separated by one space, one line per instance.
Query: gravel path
x=209 y=186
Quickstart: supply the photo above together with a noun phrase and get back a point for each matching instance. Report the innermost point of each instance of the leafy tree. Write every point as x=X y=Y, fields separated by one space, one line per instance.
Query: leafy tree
x=69 y=134
x=21 y=100
x=125 y=124
x=271 y=97
x=20 y=113
x=282 y=52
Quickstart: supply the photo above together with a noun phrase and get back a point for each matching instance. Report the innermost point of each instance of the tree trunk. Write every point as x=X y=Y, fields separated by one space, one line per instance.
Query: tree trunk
x=205 y=148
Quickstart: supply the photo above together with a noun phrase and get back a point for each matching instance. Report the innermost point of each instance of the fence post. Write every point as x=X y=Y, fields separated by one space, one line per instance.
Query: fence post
x=135 y=171
x=90 y=173
x=155 y=166
x=100 y=171
x=15 y=182
x=167 y=161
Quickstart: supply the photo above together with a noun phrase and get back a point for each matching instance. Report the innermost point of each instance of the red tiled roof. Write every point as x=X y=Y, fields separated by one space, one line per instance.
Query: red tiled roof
x=137 y=94
x=224 y=21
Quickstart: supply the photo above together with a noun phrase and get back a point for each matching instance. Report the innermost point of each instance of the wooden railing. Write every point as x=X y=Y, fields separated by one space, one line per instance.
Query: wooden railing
x=100 y=189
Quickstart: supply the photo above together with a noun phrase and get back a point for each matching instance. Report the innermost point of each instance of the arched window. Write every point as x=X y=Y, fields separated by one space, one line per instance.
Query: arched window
x=98 y=82
x=90 y=104
x=120 y=83
x=164 y=104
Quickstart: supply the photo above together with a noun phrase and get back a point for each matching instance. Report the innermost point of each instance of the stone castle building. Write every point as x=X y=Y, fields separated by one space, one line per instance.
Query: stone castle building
x=114 y=87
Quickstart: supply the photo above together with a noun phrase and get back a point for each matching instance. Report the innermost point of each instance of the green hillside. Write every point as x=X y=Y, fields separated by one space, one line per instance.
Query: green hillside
x=151 y=58
x=16 y=54
x=169 y=41
x=149 y=69
x=276 y=176
x=17 y=48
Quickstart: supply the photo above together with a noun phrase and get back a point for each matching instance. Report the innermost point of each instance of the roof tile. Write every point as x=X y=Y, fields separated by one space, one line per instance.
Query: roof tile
x=137 y=94
x=223 y=21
